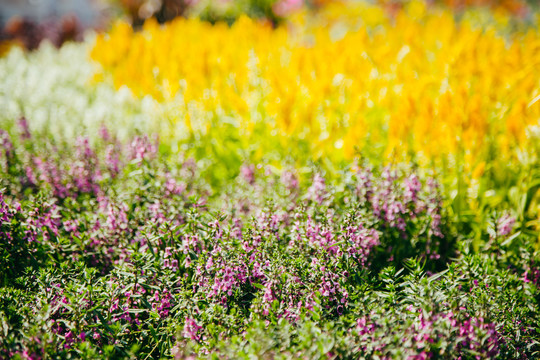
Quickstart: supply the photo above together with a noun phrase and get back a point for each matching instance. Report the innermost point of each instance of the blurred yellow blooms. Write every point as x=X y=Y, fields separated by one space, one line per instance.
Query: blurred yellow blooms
x=415 y=84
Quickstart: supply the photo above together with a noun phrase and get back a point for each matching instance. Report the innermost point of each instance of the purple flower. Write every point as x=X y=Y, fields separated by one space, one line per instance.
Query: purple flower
x=6 y=144
x=289 y=180
x=412 y=188
x=25 y=130
x=85 y=170
x=505 y=224
x=317 y=191
x=248 y=173
x=112 y=160
x=51 y=174
x=191 y=329
x=104 y=133
x=142 y=148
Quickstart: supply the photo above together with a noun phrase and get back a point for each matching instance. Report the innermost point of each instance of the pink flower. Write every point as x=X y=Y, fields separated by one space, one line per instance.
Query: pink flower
x=191 y=329
x=317 y=191
x=248 y=173
x=505 y=224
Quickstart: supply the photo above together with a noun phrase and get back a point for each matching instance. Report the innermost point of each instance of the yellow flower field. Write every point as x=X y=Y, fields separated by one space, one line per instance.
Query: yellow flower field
x=418 y=84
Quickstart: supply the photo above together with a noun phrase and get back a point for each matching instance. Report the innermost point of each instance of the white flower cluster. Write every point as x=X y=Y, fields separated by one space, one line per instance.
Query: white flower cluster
x=54 y=90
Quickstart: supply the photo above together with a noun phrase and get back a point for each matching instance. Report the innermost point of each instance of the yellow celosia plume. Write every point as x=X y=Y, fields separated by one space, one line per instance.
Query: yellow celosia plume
x=416 y=84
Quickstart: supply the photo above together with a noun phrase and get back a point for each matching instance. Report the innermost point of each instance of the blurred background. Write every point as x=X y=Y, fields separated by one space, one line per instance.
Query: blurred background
x=28 y=22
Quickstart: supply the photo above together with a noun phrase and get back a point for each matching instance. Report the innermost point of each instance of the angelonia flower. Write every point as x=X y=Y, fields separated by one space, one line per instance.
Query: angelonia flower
x=5 y=144
x=532 y=274
x=290 y=180
x=50 y=174
x=112 y=159
x=85 y=171
x=142 y=148
x=317 y=191
x=5 y=211
x=191 y=329
x=505 y=224
x=104 y=133
x=25 y=129
x=424 y=331
x=248 y=173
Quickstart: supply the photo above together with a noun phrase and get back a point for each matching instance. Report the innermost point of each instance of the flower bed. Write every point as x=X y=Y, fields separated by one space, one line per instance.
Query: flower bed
x=380 y=205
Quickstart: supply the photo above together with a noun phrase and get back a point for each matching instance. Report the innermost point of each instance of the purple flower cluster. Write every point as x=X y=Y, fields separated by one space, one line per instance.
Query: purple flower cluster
x=532 y=273
x=395 y=200
x=39 y=223
x=191 y=329
x=505 y=224
x=405 y=204
x=317 y=191
x=467 y=334
x=49 y=173
x=85 y=171
x=290 y=286
x=7 y=147
x=125 y=304
x=67 y=172
x=6 y=215
x=142 y=148
x=277 y=245
x=44 y=222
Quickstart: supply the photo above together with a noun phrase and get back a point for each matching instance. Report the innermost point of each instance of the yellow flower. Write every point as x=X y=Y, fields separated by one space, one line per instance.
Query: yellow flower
x=417 y=83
